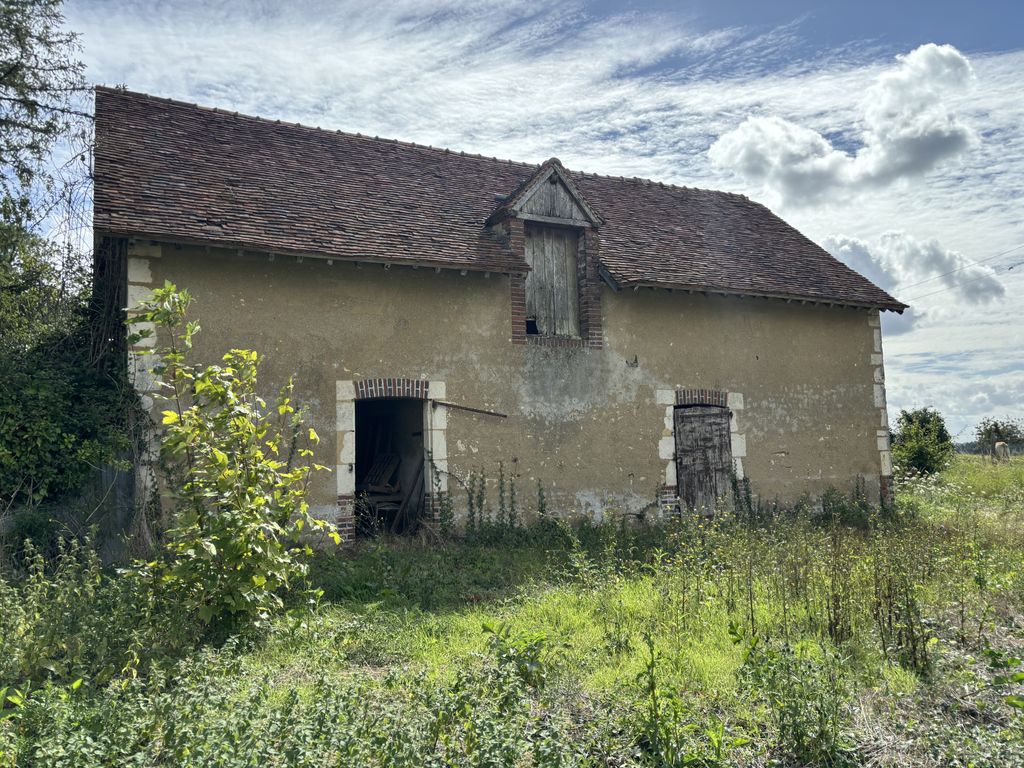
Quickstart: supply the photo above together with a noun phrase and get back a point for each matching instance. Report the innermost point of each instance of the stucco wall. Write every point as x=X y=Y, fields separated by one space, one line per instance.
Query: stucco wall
x=586 y=422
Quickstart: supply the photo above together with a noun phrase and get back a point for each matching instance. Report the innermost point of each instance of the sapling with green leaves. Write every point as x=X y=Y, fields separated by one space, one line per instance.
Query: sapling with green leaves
x=239 y=471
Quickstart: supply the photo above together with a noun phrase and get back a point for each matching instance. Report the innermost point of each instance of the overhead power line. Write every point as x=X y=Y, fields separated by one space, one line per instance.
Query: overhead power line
x=965 y=266
x=965 y=282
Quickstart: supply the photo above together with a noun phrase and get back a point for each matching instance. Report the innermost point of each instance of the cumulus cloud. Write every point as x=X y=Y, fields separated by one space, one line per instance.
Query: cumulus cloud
x=907 y=129
x=899 y=262
x=907 y=267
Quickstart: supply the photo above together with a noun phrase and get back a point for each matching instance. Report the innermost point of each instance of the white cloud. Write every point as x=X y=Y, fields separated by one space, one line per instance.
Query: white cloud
x=900 y=263
x=907 y=129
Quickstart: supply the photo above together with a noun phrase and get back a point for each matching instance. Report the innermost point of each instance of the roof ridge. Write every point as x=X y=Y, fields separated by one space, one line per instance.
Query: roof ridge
x=314 y=128
x=657 y=183
x=410 y=144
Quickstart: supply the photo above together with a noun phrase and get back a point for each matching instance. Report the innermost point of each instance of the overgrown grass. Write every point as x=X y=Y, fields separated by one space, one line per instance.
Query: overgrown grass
x=842 y=637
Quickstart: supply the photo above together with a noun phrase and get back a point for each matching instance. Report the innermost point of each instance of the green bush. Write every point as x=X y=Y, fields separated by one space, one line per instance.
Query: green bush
x=239 y=470
x=211 y=715
x=806 y=698
x=60 y=416
x=921 y=442
x=67 y=619
x=62 y=401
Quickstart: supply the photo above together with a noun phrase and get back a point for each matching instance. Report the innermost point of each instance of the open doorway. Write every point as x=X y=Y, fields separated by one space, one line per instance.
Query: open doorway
x=389 y=465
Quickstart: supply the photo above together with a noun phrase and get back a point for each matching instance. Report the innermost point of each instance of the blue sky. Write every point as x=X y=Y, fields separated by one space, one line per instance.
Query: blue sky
x=972 y=27
x=890 y=133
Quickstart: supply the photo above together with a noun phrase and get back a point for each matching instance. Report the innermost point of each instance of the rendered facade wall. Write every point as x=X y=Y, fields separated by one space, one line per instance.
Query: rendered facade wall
x=805 y=382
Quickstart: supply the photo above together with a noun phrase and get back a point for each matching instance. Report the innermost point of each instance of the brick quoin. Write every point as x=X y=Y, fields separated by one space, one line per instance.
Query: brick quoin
x=346 y=521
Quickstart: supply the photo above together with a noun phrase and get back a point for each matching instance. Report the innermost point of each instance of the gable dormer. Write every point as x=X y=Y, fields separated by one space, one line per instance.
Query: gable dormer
x=549 y=196
x=556 y=303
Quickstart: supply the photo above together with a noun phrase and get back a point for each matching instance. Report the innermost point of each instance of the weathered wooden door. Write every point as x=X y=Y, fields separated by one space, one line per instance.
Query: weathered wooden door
x=703 y=456
x=551 y=287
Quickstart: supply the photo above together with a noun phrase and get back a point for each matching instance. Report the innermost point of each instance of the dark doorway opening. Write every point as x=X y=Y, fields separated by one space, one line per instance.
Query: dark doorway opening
x=389 y=465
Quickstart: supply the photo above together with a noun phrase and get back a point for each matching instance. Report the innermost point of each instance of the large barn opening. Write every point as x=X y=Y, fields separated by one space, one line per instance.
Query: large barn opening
x=389 y=465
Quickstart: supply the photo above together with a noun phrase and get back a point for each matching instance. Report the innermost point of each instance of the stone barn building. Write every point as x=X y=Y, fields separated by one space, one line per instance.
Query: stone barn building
x=625 y=342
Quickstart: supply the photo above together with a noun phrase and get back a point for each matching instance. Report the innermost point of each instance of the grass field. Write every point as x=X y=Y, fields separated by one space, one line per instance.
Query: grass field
x=829 y=636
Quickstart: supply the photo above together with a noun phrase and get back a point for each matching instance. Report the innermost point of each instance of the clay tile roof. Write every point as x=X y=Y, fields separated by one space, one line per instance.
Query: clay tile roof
x=169 y=170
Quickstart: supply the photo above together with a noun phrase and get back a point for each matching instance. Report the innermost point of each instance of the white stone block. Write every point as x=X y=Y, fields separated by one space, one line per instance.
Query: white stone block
x=141 y=370
x=138 y=271
x=874 y=321
x=438 y=390
x=885 y=417
x=346 y=447
x=670 y=474
x=442 y=477
x=346 y=417
x=138 y=294
x=438 y=444
x=738 y=464
x=883 y=443
x=669 y=426
x=879 y=375
x=878 y=340
x=441 y=466
x=346 y=390
x=150 y=340
x=147 y=403
x=734 y=400
x=666 y=448
x=879 y=396
x=876 y=358
x=886 y=457
x=665 y=396
x=739 y=445
x=346 y=480
x=734 y=425
x=439 y=417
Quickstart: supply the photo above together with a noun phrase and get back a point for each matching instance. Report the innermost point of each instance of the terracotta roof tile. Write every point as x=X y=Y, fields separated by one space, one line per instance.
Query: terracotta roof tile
x=166 y=169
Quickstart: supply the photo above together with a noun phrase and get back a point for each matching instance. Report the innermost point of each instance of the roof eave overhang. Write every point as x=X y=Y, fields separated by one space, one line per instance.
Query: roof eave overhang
x=619 y=285
x=508 y=268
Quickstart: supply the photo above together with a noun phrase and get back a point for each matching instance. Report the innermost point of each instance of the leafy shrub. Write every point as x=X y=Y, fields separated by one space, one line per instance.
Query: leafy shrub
x=212 y=715
x=67 y=620
x=671 y=734
x=921 y=442
x=806 y=697
x=59 y=418
x=239 y=470
x=523 y=652
x=61 y=400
